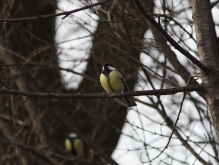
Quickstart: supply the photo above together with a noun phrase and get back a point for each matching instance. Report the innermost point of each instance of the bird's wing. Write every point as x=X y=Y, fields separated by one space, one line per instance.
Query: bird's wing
x=124 y=82
x=78 y=144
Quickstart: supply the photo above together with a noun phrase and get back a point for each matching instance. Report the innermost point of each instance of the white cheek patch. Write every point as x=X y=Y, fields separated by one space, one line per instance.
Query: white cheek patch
x=72 y=135
x=111 y=68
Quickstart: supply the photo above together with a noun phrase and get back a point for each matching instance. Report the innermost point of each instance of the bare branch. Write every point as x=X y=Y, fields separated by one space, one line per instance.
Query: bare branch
x=46 y=154
x=169 y=38
x=171 y=135
x=67 y=13
x=169 y=91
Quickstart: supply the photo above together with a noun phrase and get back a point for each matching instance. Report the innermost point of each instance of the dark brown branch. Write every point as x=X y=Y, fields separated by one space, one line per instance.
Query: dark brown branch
x=169 y=38
x=44 y=66
x=169 y=91
x=46 y=154
x=214 y=3
x=67 y=13
x=176 y=22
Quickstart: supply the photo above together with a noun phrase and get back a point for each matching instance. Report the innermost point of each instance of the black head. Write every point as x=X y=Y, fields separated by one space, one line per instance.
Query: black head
x=72 y=137
x=107 y=68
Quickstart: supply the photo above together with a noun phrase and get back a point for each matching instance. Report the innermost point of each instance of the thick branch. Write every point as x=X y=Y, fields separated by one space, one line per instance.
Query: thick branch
x=30 y=105
x=169 y=38
x=207 y=50
x=169 y=54
x=169 y=91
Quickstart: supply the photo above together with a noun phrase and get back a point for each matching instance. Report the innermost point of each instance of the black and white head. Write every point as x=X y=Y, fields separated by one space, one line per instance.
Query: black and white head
x=107 y=68
x=72 y=136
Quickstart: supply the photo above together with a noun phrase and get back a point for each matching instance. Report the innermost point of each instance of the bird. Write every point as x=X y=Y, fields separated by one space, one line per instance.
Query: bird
x=74 y=144
x=113 y=81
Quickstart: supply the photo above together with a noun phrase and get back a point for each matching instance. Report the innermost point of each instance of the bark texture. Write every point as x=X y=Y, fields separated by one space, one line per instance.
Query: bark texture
x=24 y=47
x=208 y=53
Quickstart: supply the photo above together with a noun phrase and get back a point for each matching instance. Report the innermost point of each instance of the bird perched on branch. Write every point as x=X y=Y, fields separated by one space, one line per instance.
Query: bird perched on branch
x=74 y=144
x=113 y=81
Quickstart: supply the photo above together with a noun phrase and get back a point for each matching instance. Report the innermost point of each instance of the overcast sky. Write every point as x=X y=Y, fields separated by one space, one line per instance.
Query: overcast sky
x=73 y=55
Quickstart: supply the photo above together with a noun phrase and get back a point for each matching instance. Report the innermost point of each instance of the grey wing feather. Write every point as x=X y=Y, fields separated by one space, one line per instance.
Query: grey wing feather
x=127 y=100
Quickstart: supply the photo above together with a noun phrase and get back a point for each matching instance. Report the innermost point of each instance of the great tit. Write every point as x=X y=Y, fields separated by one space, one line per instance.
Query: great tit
x=113 y=81
x=74 y=144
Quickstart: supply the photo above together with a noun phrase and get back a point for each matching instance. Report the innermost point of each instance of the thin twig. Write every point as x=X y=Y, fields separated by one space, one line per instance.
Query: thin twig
x=169 y=38
x=67 y=13
x=200 y=151
x=174 y=127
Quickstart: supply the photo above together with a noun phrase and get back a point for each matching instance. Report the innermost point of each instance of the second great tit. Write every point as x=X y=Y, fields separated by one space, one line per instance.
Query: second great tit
x=74 y=144
x=113 y=81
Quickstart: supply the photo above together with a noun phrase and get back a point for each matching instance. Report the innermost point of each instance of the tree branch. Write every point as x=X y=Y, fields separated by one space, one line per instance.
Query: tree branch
x=169 y=38
x=67 y=13
x=208 y=53
x=169 y=91
x=45 y=154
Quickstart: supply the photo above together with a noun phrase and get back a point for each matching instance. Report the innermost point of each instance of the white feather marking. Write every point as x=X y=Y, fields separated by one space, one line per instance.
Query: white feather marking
x=111 y=68
x=72 y=135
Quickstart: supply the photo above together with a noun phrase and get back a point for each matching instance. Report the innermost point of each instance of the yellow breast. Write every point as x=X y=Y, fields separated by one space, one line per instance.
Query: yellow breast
x=68 y=145
x=114 y=83
x=78 y=146
x=105 y=83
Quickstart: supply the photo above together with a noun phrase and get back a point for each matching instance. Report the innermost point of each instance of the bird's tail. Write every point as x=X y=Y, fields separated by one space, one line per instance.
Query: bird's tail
x=129 y=102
